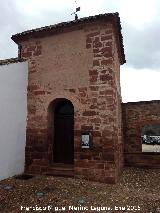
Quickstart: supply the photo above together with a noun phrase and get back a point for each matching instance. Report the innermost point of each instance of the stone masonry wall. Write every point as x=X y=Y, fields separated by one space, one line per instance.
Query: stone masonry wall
x=135 y=117
x=82 y=67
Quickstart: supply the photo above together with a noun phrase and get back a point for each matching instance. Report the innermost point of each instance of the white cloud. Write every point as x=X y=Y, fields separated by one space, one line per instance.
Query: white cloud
x=138 y=13
x=139 y=84
x=37 y=7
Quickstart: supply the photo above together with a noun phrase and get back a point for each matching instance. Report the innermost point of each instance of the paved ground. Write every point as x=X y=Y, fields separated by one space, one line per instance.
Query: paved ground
x=138 y=189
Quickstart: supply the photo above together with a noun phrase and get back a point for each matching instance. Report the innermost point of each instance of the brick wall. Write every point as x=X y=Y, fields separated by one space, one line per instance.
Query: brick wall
x=135 y=117
x=83 y=67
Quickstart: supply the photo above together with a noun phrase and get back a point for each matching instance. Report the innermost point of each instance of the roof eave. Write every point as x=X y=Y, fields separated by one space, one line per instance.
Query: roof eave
x=40 y=32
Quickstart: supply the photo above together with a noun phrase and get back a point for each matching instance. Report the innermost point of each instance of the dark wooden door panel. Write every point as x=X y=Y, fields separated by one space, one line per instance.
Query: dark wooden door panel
x=64 y=138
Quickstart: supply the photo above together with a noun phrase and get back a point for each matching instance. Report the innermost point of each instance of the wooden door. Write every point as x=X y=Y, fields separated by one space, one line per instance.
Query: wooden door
x=64 y=133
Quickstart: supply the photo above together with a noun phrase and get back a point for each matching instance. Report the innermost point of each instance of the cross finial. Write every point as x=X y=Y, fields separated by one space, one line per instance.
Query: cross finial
x=77 y=10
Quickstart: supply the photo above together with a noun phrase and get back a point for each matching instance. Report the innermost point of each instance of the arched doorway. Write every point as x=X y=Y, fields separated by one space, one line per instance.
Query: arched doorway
x=63 y=147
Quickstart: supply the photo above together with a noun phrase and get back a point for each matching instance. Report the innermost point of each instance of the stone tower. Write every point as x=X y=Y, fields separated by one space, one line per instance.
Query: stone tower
x=74 y=94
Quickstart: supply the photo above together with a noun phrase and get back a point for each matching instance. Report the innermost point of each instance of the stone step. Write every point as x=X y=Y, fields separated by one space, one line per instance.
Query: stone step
x=61 y=170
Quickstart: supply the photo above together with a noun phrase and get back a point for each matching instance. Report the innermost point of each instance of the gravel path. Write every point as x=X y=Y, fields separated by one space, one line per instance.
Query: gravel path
x=138 y=189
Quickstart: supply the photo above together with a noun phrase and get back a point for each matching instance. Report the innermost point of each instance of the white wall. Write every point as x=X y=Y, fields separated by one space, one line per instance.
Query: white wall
x=13 y=110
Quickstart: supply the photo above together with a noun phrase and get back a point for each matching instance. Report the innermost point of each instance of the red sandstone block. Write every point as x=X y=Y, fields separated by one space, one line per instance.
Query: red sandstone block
x=94 y=100
x=109 y=157
x=37 y=161
x=93 y=106
x=88 y=46
x=31 y=48
x=107 y=54
x=94 y=88
x=39 y=47
x=41 y=162
x=26 y=55
x=108 y=44
x=32 y=62
x=49 y=92
x=109 y=92
x=100 y=165
x=43 y=169
x=93 y=78
x=31 y=110
x=99 y=174
x=106 y=49
x=89 y=113
x=93 y=34
x=107 y=61
x=108 y=31
x=83 y=94
x=38 y=42
x=97 y=44
x=36 y=155
x=32 y=131
x=107 y=133
x=96 y=63
x=85 y=156
x=72 y=90
x=109 y=148
x=88 y=40
x=110 y=71
x=93 y=72
x=96 y=133
x=34 y=169
x=106 y=92
x=106 y=77
x=96 y=120
x=82 y=89
x=81 y=163
x=77 y=132
x=33 y=87
x=32 y=70
x=107 y=37
x=96 y=50
x=86 y=128
x=111 y=180
x=96 y=157
x=111 y=120
x=39 y=92
x=103 y=71
x=96 y=39
x=102 y=92
x=84 y=100
x=29 y=148
x=38 y=118
x=37 y=52
x=98 y=55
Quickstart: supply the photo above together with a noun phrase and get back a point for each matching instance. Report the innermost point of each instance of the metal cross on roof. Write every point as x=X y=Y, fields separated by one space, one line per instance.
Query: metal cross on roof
x=77 y=10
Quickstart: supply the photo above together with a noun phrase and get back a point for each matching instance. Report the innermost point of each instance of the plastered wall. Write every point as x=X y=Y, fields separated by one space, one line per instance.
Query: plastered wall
x=13 y=110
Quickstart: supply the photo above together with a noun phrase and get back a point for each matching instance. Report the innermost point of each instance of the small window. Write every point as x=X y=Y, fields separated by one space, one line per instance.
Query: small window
x=150 y=137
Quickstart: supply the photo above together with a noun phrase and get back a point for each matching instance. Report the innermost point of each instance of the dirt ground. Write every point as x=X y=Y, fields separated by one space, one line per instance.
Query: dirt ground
x=137 y=191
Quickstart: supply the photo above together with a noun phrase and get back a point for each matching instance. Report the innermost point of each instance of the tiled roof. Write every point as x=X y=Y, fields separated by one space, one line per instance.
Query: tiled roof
x=39 y=32
x=142 y=102
x=10 y=61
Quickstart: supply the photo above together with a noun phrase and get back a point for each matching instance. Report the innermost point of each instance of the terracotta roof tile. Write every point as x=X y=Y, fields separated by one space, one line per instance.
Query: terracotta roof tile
x=39 y=32
x=10 y=61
